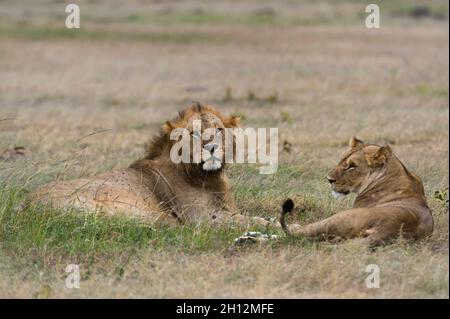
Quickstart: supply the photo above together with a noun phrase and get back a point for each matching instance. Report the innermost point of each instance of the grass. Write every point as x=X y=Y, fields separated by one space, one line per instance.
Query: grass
x=41 y=242
x=309 y=68
x=49 y=235
x=435 y=10
x=221 y=19
x=48 y=32
x=424 y=90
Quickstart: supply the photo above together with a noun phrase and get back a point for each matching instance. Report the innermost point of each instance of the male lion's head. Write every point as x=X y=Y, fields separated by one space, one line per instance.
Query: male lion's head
x=202 y=126
x=356 y=165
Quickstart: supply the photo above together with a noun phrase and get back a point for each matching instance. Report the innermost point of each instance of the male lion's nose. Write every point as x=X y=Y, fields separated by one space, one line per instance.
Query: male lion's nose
x=331 y=180
x=211 y=147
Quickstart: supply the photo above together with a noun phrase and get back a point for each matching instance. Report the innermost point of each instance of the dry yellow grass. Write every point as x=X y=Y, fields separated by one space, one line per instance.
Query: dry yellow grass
x=319 y=79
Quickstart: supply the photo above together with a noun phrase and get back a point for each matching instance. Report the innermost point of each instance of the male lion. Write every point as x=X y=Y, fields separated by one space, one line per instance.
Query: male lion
x=156 y=188
x=390 y=199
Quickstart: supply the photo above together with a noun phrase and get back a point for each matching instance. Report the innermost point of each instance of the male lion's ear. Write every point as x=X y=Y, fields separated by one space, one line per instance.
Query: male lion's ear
x=232 y=121
x=168 y=127
x=354 y=142
x=380 y=157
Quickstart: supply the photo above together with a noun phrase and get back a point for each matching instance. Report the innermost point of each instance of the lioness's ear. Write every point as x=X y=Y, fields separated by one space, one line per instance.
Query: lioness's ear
x=232 y=121
x=380 y=157
x=354 y=142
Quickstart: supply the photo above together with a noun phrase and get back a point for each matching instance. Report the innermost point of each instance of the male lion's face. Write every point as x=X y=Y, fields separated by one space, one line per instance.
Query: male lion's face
x=355 y=166
x=207 y=129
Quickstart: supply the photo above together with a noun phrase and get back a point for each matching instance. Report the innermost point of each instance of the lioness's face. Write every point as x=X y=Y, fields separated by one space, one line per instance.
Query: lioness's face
x=207 y=130
x=355 y=166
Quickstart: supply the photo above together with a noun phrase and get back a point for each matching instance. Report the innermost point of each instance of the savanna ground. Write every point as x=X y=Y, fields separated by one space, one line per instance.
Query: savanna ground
x=84 y=101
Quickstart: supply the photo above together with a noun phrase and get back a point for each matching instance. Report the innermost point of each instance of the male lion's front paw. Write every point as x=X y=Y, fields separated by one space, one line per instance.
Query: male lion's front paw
x=272 y=220
x=253 y=237
x=264 y=220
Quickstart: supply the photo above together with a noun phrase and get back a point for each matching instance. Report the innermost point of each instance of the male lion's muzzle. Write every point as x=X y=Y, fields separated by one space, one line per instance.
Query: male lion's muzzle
x=212 y=157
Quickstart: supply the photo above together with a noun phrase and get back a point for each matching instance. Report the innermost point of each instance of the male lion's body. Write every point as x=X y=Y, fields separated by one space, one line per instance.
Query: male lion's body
x=155 y=188
x=390 y=199
x=136 y=191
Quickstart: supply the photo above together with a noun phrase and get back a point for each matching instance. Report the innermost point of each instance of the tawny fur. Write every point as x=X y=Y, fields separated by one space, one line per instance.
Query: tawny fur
x=390 y=200
x=154 y=188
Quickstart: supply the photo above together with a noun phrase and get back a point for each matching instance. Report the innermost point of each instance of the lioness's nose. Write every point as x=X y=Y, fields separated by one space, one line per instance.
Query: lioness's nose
x=331 y=180
x=211 y=147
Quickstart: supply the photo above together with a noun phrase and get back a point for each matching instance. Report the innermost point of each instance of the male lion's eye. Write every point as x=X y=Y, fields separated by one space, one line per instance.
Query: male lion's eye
x=351 y=167
x=195 y=134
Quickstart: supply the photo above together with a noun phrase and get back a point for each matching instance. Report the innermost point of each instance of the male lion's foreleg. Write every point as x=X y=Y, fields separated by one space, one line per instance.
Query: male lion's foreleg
x=253 y=220
x=287 y=207
x=261 y=237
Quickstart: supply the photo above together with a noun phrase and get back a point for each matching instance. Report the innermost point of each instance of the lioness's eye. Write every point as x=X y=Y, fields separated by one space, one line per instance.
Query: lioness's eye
x=351 y=166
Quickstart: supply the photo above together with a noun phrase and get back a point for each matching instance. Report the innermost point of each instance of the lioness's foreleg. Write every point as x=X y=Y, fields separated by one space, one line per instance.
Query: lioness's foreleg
x=378 y=224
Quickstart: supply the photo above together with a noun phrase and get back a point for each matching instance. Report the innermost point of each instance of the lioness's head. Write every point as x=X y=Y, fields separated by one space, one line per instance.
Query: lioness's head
x=201 y=133
x=356 y=165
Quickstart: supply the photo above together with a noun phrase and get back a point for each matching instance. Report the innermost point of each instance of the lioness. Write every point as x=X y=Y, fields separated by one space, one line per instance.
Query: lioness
x=390 y=199
x=155 y=187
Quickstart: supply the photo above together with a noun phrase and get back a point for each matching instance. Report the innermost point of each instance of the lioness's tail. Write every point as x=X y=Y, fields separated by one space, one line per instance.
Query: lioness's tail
x=287 y=207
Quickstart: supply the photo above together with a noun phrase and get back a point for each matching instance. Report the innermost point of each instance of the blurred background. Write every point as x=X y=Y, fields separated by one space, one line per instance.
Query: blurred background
x=310 y=68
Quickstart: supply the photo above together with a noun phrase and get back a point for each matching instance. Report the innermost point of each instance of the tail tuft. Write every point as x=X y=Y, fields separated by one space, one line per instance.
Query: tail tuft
x=287 y=207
